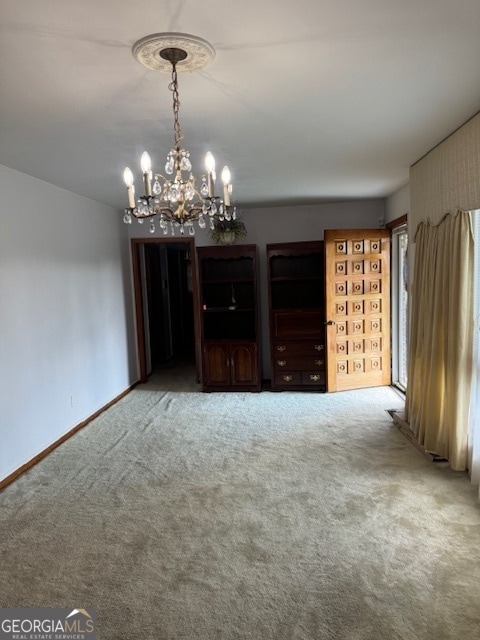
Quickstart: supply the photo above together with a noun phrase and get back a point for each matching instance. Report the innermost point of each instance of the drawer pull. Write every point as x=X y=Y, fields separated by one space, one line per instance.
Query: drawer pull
x=287 y=378
x=319 y=347
x=281 y=347
x=315 y=377
x=281 y=363
x=319 y=362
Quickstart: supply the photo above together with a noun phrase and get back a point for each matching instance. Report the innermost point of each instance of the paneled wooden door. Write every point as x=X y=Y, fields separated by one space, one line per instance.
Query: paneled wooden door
x=357 y=308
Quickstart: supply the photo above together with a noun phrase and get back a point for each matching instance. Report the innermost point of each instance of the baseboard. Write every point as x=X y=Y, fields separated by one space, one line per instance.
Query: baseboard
x=404 y=428
x=43 y=454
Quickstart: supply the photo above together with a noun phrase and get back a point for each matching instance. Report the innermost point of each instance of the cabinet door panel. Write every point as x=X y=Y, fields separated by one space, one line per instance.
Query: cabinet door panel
x=243 y=364
x=216 y=361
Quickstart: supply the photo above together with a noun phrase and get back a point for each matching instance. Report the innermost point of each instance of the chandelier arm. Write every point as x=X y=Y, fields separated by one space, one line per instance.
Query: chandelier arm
x=136 y=213
x=167 y=211
x=196 y=214
x=163 y=211
x=160 y=175
x=197 y=206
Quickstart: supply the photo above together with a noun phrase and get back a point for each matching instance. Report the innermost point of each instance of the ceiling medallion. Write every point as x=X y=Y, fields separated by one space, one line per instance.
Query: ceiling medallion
x=148 y=51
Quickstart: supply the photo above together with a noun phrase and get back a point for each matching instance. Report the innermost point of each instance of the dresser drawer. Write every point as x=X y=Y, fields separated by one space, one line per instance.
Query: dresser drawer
x=313 y=378
x=288 y=378
x=299 y=363
x=313 y=348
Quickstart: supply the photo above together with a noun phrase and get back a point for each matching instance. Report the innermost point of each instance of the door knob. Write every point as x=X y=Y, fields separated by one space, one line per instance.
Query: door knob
x=329 y=322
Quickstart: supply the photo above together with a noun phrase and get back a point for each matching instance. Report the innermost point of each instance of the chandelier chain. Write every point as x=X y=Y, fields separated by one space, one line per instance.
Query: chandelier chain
x=173 y=86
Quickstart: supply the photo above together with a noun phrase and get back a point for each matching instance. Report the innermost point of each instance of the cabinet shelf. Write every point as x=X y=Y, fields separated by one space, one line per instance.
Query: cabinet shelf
x=227 y=310
x=296 y=278
x=226 y=280
x=298 y=309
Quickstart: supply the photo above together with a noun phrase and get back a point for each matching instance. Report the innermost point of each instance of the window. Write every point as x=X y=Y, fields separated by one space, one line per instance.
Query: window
x=474 y=417
x=399 y=305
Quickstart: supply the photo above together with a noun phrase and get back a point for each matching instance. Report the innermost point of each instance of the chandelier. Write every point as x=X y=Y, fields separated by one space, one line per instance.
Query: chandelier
x=177 y=200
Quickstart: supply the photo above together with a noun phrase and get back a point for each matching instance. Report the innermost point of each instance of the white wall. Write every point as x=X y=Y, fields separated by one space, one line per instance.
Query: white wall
x=65 y=313
x=288 y=224
x=398 y=204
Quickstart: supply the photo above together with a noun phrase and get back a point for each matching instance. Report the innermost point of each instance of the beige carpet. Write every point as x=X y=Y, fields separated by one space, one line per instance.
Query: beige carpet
x=182 y=515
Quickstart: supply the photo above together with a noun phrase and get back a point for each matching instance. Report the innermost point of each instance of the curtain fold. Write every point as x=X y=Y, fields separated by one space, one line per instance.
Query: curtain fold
x=441 y=338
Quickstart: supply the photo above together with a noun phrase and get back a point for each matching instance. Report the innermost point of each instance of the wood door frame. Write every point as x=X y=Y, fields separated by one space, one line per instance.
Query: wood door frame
x=138 y=297
x=398 y=222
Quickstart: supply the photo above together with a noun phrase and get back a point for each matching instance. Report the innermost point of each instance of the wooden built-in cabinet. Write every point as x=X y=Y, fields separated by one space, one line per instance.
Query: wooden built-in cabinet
x=296 y=286
x=229 y=318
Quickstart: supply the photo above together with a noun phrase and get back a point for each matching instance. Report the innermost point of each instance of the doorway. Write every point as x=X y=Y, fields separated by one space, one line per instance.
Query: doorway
x=166 y=304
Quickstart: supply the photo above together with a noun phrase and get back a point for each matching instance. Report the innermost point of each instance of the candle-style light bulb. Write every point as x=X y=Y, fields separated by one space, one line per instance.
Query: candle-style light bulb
x=209 y=162
x=128 y=177
x=210 y=167
x=145 y=162
x=226 y=183
x=226 y=175
x=146 y=165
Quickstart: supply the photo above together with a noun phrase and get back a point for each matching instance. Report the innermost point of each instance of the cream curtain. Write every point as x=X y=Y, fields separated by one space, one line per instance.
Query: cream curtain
x=441 y=330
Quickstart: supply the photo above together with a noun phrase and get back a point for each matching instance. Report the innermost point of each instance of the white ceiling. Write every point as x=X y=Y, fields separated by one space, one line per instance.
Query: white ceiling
x=306 y=101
